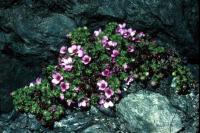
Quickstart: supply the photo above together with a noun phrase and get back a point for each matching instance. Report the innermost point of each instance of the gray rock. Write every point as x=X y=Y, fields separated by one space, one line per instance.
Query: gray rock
x=21 y=123
x=188 y=107
x=74 y=122
x=149 y=112
x=95 y=129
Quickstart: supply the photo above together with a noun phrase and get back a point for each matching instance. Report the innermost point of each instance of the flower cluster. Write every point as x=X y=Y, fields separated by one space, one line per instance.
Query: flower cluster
x=93 y=69
x=129 y=33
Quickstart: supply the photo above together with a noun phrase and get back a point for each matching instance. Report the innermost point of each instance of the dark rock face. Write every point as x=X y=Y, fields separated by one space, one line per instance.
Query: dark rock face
x=32 y=30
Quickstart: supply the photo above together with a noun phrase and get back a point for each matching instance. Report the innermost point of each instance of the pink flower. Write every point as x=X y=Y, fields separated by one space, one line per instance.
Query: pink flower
x=141 y=34
x=66 y=61
x=121 y=26
x=86 y=59
x=76 y=49
x=68 y=68
x=69 y=102
x=62 y=97
x=108 y=104
x=108 y=92
x=106 y=73
x=129 y=80
x=104 y=40
x=121 y=31
x=80 y=52
x=113 y=60
x=38 y=81
x=133 y=39
x=64 y=86
x=125 y=66
x=126 y=34
x=111 y=43
x=115 y=53
x=102 y=84
x=77 y=89
x=63 y=50
x=57 y=77
x=131 y=49
x=102 y=100
x=97 y=32
x=84 y=103
x=73 y=49
x=131 y=32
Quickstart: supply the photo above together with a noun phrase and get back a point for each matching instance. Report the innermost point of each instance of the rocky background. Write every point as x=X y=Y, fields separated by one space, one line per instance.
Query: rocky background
x=31 y=32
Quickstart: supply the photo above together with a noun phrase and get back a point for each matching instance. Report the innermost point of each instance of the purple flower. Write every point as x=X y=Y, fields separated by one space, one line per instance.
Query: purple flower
x=108 y=92
x=106 y=73
x=133 y=39
x=113 y=60
x=108 y=104
x=86 y=59
x=121 y=31
x=121 y=26
x=66 y=61
x=141 y=34
x=102 y=100
x=57 y=77
x=73 y=49
x=77 y=89
x=63 y=50
x=125 y=66
x=38 y=81
x=115 y=53
x=68 y=68
x=131 y=32
x=80 y=52
x=104 y=40
x=129 y=80
x=102 y=84
x=112 y=44
x=131 y=49
x=64 y=86
x=84 y=103
x=126 y=34
x=97 y=32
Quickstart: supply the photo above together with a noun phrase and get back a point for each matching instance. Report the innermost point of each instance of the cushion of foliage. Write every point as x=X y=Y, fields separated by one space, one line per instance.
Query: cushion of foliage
x=92 y=70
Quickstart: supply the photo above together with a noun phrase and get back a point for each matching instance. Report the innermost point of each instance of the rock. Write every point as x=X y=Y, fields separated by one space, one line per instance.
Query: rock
x=95 y=129
x=188 y=107
x=74 y=122
x=21 y=123
x=149 y=112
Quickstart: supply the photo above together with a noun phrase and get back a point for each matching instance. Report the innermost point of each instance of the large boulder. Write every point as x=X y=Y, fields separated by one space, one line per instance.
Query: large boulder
x=149 y=112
